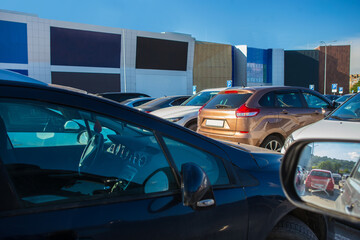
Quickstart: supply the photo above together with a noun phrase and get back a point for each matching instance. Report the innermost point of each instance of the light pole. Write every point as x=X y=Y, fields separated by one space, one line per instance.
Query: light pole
x=323 y=42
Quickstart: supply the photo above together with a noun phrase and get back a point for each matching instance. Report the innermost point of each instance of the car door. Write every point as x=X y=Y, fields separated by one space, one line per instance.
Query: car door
x=292 y=112
x=123 y=184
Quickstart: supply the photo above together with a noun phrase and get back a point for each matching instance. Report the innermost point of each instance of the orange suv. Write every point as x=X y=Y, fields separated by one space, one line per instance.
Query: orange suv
x=261 y=116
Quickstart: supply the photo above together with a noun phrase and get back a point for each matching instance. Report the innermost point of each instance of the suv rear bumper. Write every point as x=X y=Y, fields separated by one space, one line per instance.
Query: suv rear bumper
x=246 y=138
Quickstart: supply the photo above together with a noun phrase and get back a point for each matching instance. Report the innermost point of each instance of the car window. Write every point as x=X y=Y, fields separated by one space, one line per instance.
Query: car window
x=183 y=153
x=106 y=157
x=320 y=174
x=267 y=100
x=232 y=100
x=288 y=100
x=179 y=101
x=314 y=101
x=138 y=103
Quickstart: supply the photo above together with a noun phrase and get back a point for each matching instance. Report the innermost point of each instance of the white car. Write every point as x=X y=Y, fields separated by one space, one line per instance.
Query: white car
x=342 y=124
x=186 y=114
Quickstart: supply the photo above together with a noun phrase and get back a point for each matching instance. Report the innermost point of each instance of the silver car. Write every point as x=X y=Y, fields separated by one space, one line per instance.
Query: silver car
x=186 y=114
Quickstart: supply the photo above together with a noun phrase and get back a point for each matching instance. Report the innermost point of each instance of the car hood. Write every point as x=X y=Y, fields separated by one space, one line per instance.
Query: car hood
x=329 y=129
x=176 y=111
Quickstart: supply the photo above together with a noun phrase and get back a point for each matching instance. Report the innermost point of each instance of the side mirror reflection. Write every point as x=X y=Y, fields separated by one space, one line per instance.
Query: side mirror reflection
x=328 y=176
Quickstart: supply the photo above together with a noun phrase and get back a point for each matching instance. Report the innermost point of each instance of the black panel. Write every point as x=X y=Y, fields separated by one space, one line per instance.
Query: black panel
x=90 y=82
x=161 y=54
x=71 y=47
x=302 y=68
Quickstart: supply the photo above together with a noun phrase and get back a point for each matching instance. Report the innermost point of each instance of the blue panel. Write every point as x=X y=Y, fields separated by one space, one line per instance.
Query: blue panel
x=13 y=42
x=23 y=72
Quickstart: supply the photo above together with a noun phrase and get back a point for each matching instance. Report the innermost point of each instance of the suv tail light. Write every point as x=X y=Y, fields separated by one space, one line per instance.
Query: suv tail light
x=244 y=111
x=201 y=108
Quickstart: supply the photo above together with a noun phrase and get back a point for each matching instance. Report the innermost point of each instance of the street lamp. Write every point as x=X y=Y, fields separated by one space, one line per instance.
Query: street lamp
x=323 y=42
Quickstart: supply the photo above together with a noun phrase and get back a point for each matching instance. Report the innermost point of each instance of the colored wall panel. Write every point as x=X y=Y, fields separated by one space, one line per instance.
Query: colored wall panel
x=212 y=65
x=23 y=72
x=70 y=47
x=337 y=67
x=161 y=54
x=302 y=68
x=259 y=66
x=13 y=42
x=91 y=82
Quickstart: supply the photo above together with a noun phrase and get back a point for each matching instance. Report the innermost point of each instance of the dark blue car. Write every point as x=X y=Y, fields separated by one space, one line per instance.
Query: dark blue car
x=76 y=166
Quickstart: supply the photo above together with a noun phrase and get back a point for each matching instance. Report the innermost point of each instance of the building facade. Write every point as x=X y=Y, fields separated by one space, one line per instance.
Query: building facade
x=96 y=58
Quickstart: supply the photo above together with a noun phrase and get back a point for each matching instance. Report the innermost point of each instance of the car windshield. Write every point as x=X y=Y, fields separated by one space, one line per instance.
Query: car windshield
x=200 y=98
x=343 y=98
x=349 y=111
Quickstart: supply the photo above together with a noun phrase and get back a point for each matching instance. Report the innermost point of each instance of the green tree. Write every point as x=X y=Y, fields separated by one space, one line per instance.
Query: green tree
x=326 y=165
x=355 y=87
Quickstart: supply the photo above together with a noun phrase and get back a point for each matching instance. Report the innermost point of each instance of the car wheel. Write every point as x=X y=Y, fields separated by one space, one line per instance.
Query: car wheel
x=273 y=143
x=291 y=228
x=192 y=126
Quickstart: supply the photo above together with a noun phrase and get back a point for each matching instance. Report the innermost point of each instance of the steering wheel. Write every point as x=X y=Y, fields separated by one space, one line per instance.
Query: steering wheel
x=91 y=152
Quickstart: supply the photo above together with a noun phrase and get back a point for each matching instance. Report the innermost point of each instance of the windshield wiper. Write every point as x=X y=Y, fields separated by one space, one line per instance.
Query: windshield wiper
x=222 y=106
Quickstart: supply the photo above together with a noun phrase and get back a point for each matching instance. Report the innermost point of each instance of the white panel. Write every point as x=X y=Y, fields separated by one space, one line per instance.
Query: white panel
x=161 y=85
x=278 y=67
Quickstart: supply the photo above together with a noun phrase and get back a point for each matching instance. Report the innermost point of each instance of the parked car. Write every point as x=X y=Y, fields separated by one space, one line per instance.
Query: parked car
x=134 y=102
x=341 y=124
x=261 y=116
x=186 y=114
x=320 y=180
x=121 y=96
x=348 y=201
x=343 y=98
x=77 y=166
x=163 y=102
x=332 y=97
x=337 y=178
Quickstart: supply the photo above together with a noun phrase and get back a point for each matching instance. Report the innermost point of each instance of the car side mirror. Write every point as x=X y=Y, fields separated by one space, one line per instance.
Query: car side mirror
x=196 y=188
x=72 y=126
x=317 y=191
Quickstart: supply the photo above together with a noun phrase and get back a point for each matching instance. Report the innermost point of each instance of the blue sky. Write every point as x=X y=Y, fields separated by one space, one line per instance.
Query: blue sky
x=287 y=24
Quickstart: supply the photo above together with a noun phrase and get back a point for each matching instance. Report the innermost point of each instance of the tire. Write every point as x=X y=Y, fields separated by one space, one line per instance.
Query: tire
x=291 y=228
x=272 y=142
x=192 y=126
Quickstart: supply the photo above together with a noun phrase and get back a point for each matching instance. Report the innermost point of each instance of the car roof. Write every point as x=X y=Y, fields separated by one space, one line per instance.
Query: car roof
x=321 y=170
x=258 y=88
x=17 y=77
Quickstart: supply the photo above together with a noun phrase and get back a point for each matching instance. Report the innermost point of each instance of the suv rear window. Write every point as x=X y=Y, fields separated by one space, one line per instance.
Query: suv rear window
x=321 y=174
x=233 y=100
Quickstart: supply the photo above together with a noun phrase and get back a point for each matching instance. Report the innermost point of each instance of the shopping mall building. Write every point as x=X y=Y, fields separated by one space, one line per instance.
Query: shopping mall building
x=104 y=59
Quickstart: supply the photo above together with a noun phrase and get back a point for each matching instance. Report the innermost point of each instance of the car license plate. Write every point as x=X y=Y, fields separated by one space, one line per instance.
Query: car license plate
x=214 y=123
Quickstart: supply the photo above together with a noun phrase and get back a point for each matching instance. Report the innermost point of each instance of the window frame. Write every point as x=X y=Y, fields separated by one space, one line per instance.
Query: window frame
x=297 y=92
